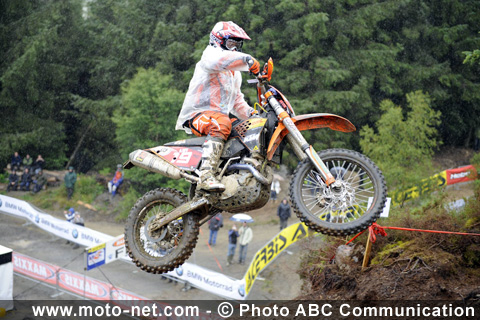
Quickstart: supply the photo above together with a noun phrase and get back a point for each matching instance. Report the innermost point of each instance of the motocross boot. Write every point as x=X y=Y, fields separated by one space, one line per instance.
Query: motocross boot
x=212 y=150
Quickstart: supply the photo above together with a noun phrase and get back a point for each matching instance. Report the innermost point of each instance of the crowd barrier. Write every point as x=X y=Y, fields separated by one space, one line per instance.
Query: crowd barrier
x=444 y=178
x=61 y=228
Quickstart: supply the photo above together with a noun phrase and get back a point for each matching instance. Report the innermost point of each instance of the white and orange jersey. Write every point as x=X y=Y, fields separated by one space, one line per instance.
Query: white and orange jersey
x=215 y=86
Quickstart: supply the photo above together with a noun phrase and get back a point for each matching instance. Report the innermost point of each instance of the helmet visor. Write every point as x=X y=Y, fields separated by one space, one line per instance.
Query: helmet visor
x=232 y=44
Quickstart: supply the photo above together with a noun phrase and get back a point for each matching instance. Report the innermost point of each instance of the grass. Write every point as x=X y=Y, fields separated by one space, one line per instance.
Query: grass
x=86 y=190
x=128 y=200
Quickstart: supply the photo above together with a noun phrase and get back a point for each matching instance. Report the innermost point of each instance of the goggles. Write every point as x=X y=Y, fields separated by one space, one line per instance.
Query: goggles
x=231 y=44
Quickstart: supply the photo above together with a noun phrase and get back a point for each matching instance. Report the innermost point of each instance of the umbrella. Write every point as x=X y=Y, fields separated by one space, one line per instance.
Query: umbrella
x=241 y=217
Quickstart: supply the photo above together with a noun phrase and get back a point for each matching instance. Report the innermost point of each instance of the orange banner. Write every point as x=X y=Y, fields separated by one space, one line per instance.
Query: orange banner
x=462 y=174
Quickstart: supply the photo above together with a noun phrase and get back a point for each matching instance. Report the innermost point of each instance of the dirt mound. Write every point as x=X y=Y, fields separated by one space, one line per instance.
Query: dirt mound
x=404 y=265
x=403 y=279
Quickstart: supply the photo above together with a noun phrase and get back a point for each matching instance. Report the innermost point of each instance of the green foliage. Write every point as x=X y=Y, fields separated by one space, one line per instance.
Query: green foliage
x=148 y=113
x=4 y=177
x=472 y=57
x=128 y=200
x=146 y=119
x=105 y=171
x=403 y=145
x=40 y=45
x=87 y=188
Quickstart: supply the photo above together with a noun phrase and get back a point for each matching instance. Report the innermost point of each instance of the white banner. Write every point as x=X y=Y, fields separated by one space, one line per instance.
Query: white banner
x=210 y=281
x=61 y=228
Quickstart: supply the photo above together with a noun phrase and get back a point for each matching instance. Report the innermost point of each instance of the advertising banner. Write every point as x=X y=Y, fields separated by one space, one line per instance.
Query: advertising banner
x=444 y=178
x=95 y=256
x=35 y=269
x=462 y=174
x=271 y=250
x=210 y=281
x=83 y=286
x=106 y=252
x=61 y=228
x=423 y=187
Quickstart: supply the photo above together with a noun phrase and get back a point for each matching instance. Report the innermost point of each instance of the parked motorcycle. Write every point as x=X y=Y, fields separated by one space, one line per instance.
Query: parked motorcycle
x=335 y=192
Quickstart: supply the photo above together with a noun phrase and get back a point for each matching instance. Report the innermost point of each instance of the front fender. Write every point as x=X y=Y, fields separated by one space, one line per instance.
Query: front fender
x=309 y=122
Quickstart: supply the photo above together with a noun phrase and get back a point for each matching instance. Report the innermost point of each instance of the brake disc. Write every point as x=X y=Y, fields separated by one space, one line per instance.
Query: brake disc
x=158 y=235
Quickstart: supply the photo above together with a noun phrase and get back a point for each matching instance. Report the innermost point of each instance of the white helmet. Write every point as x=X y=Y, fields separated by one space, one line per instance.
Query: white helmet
x=228 y=36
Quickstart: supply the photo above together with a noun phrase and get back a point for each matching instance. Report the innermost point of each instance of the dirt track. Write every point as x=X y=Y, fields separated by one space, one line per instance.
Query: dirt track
x=280 y=278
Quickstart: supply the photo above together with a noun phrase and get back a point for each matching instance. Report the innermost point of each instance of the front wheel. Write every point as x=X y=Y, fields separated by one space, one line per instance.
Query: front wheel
x=351 y=206
x=162 y=250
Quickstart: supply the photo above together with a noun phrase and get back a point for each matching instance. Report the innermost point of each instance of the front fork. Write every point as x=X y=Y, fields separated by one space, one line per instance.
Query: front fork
x=298 y=141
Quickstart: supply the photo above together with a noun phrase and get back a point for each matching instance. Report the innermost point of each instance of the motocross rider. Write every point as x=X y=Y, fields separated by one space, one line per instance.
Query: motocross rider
x=213 y=93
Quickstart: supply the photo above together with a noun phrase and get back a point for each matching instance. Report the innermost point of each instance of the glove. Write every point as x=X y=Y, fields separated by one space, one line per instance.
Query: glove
x=253 y=65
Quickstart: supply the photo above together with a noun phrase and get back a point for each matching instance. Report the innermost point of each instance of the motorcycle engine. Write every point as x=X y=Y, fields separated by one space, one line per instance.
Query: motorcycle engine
x=242 y=193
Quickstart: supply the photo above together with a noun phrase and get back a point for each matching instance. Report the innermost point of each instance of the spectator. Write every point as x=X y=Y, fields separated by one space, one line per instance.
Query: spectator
x=39 y=164
x=70 y=179
x=246 y=235
x=25 y=180
x=232 y=244
x=70 y=216
x=13 y=181
x=214 y=225
x=39 y=182
x=117 y=180
x=274 y=190
x=79 y=221
x=27 y=162
x=283 y=212
x=16 y=161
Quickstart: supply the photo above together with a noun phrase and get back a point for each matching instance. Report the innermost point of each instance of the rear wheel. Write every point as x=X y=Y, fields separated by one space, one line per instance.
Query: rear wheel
x=350 y=207
x=161 y=250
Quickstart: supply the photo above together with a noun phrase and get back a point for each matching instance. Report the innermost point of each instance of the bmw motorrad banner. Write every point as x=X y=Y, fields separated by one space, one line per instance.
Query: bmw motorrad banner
x=210 y=281
x=61 y=228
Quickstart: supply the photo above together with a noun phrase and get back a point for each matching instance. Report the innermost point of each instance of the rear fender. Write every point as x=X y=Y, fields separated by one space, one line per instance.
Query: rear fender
x=185 y=158
x=309 y=122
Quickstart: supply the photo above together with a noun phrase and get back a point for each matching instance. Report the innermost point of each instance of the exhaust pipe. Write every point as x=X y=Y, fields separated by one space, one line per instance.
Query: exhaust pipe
x=153 y=163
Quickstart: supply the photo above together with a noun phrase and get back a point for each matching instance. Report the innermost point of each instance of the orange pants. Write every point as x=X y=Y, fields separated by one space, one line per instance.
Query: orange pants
x=213 y=123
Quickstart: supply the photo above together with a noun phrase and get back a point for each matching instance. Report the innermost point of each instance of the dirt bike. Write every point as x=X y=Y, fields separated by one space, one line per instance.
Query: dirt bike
x=335 y=192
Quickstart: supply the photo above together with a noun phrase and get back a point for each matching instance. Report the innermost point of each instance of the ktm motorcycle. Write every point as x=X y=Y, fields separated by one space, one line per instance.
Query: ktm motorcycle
x=335 y=192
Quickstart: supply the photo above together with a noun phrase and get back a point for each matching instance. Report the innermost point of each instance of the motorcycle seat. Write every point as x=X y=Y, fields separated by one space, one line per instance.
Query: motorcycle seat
x=194 y=142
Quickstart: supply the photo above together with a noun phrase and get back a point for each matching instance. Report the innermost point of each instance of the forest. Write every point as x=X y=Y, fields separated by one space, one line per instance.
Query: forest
x=84 y=82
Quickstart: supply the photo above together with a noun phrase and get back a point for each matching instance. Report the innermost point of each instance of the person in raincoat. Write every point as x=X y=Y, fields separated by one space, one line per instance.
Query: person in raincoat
x=70 y=180
x=213 y=93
